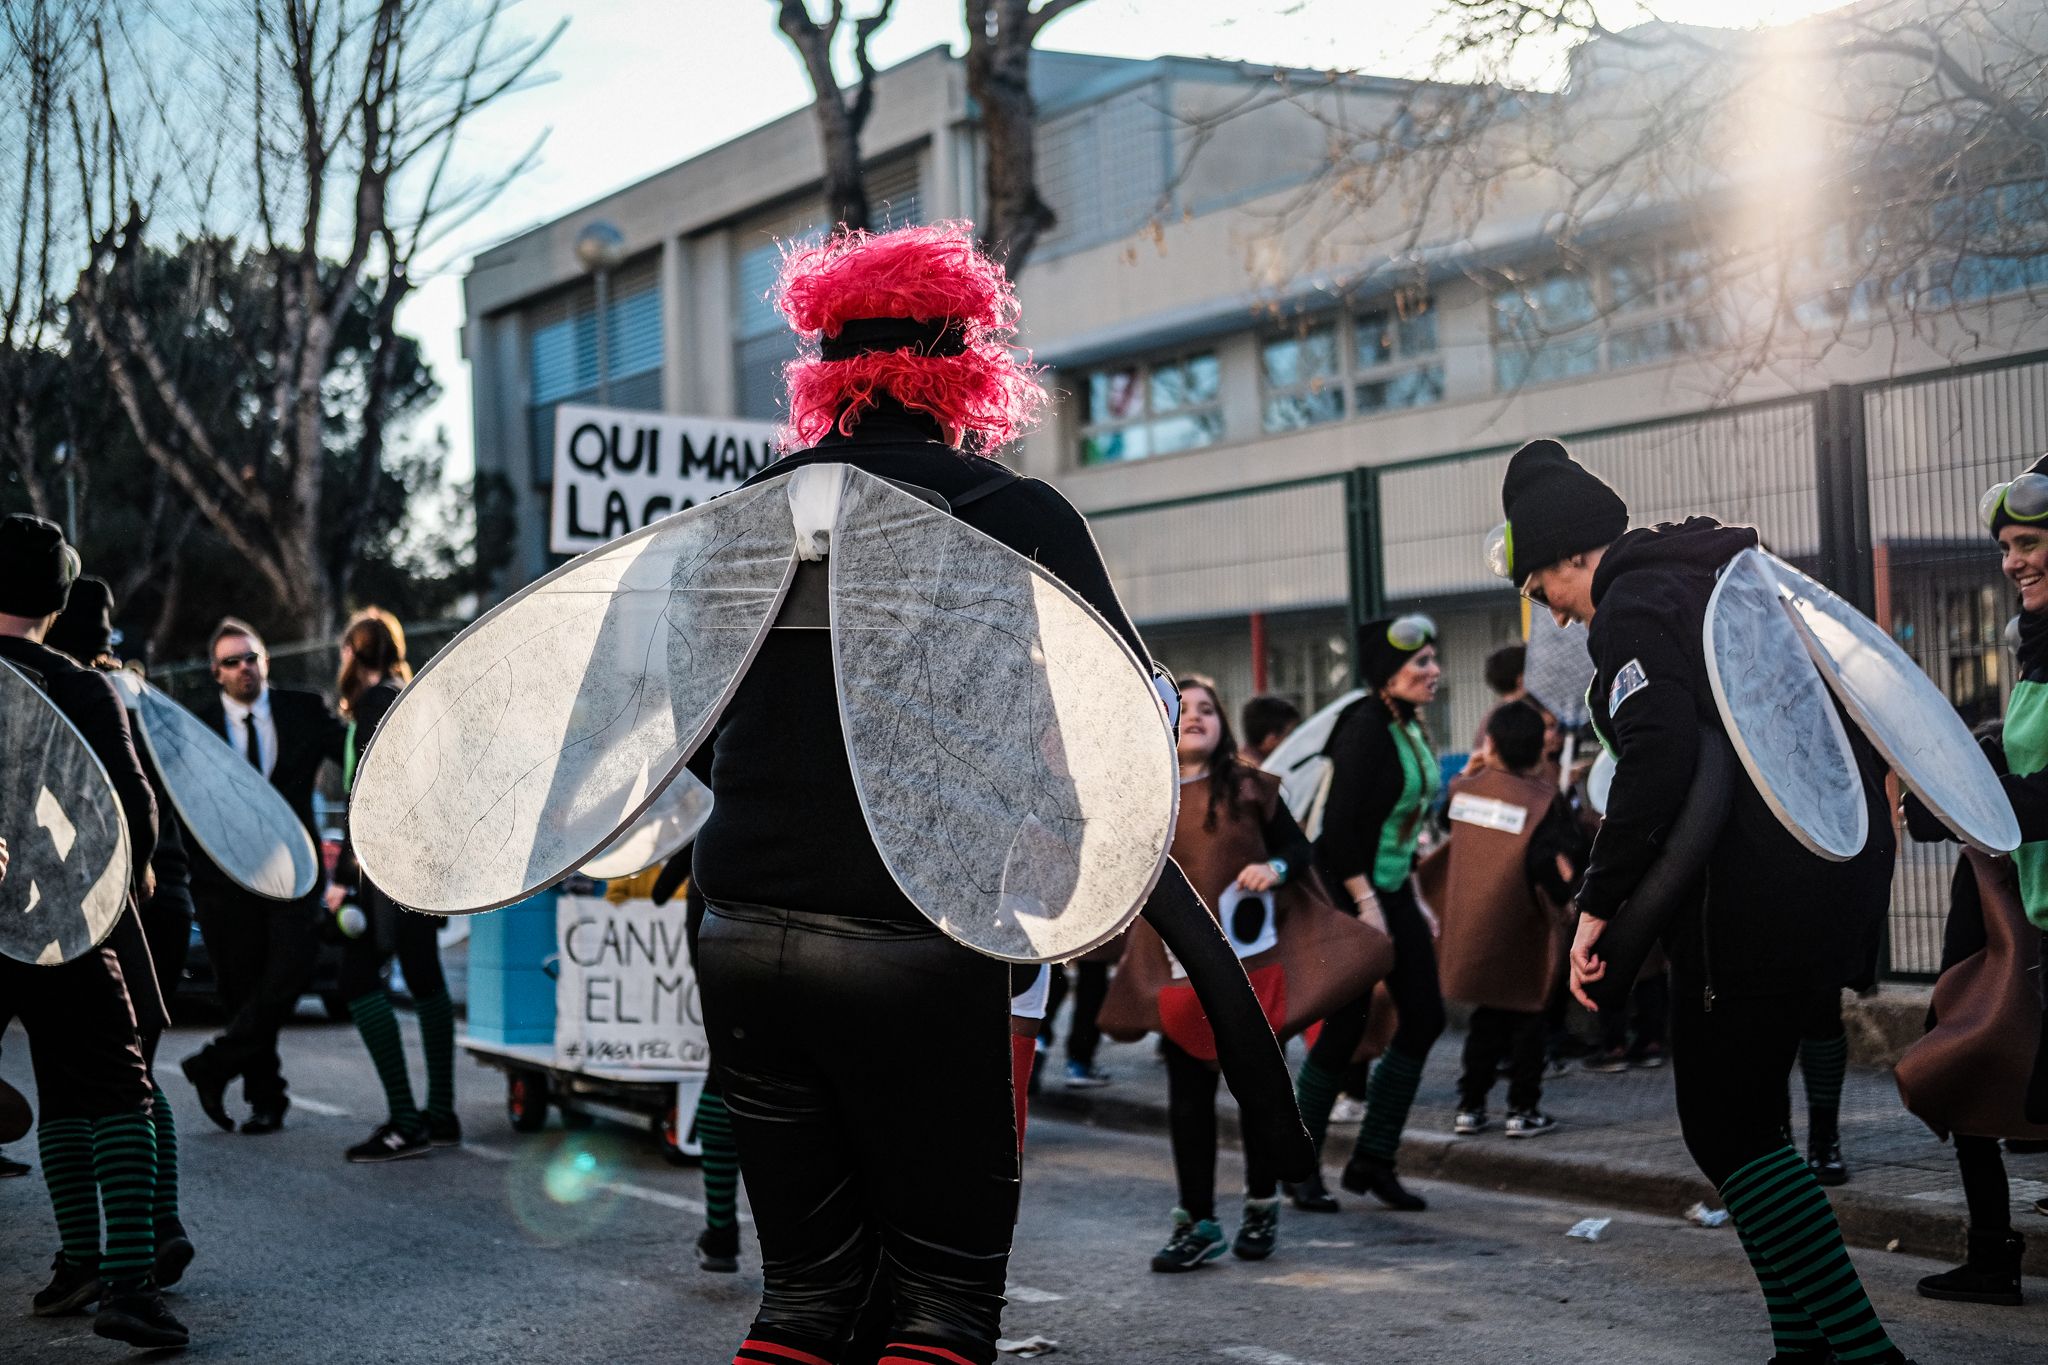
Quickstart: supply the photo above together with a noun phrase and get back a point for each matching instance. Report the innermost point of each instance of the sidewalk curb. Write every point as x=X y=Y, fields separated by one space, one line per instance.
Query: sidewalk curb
x=1537 y=1167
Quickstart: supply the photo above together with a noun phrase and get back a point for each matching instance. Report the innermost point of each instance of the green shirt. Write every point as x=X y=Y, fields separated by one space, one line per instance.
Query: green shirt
x=1419 y=781
x=2026 y=752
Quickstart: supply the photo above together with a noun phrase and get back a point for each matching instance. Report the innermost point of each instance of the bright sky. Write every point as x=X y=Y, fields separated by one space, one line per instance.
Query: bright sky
x=638 y=85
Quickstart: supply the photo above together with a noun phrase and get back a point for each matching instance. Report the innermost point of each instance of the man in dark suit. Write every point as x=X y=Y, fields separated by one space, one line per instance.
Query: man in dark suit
x=262 y=950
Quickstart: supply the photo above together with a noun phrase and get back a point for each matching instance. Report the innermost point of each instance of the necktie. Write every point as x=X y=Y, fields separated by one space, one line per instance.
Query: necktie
x=249 y=745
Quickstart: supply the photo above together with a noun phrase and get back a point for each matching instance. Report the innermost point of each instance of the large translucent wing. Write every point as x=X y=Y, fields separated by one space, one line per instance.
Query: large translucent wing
x=1778 y=716
x=1298 y=760
x=239 y=819
x=549 y=725
x=660 y=833
x=1903 y=714
x=67 y=845
x=1011 y=757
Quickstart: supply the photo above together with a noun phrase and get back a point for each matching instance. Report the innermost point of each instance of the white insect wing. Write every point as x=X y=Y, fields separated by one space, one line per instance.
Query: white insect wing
x=240 y=821
x=659 y=834
x=1778 y=714
x=1012 y=760
x=551 y=723
x=1600 y=781
x=1299 y=761
x=1903 y=714
x=1488 y=813
x=67 y=844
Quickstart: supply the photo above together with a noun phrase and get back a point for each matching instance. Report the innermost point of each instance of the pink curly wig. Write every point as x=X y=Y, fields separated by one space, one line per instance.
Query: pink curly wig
x=984 y=395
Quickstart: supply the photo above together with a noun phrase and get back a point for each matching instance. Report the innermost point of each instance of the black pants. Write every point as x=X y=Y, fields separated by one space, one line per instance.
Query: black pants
x=1518 y=1035
x=1733 y=1066
x=1091 y=988
x=866 y=1065
x=82 y=1040
x=1191 y=1123
x=262 y=953
x=1649 y=1012
x=1985 y=1189
x=1418 y=997
x=413 y=938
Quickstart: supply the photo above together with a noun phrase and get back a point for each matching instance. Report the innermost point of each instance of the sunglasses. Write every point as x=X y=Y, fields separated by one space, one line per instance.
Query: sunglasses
x=238 y=660
x=2023 y=499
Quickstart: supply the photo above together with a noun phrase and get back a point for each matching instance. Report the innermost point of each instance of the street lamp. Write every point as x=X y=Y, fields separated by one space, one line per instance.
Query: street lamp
x=599 y=249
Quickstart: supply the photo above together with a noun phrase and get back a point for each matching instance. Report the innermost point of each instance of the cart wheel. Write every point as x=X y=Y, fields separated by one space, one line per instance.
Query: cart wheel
x=671 y=1140
x=526 y=1100
x=575 y=1119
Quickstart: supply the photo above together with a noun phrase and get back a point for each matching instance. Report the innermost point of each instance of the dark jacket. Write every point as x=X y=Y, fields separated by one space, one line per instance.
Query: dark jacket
x=1775 y=918
x=308 y=734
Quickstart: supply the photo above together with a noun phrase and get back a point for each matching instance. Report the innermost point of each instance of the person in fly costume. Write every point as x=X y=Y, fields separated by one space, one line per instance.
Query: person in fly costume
x=888 y=1154
x=1769 y=928
x=97 y=1141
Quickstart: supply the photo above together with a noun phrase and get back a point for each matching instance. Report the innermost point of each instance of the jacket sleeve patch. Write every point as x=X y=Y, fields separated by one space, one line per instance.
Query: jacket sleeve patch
x=1629 y=681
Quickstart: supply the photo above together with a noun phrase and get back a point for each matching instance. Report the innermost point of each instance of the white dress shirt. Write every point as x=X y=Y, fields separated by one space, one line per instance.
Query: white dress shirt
x=239 y=718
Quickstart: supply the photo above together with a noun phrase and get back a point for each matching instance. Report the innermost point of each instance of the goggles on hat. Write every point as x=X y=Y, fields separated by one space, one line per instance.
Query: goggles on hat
x=2023 y=499
x=1411 y=632
x=1500 y=551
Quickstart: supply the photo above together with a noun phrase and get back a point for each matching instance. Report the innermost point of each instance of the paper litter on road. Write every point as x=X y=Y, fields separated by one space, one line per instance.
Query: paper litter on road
x=1706 y=1217
x=1029 y=1347
x=1589 y=1229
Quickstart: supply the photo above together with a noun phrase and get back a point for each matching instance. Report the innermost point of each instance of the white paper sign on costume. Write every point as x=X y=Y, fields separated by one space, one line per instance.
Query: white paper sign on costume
x=67 y=844
x=625 y=996
x=617 y=470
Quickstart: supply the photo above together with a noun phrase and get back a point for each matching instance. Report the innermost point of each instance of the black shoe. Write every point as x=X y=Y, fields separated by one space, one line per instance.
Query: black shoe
x=1259 y=1232
x=444 y=1132
x=390 y=1143
x=1312 y=1195
x=174 y=1251
x=140 y=1319
x=268 y=1119
x=1824 y=1159
x=9 y=1167
x=213 y=1091
x=1606 y=1063
x=1990 y=1275
x=1369 y=1175
x=71 y=1288
x=718 y=1250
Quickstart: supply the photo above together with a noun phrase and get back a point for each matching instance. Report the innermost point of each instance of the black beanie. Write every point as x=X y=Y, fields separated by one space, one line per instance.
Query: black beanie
x=1555 y=508
x=36 y=567
x=85 y=630
x=1379 y=658
x=2001 y=518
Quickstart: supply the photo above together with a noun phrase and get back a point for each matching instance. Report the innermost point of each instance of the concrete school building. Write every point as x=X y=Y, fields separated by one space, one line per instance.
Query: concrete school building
x=1268 y=455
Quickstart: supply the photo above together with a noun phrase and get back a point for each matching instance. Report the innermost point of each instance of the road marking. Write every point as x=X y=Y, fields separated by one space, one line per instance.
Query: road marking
x=620 y=1187
x=1321 y=1245
x=1024 y=1293
x=320 y=1107
x=1259 y=1355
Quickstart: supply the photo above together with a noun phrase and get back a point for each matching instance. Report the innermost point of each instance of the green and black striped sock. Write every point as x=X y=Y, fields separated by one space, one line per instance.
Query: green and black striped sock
x=66 y=1148
x=1785 y=1217
x=1822 y=1063
x=1315 y=1091
x=379 y=1027
x=437 y=1037
x=124 y=1160
x=1792 y=1332
x=1388 y=1096
x=166 y=1157
x=721 y=1161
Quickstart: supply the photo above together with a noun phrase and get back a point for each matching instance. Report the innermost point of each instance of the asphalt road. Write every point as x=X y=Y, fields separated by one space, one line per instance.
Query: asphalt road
x=508 y=1251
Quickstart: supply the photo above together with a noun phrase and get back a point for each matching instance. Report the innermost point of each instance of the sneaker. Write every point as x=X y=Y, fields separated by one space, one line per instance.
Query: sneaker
x=389 y=1143
x=1192 y=1246
x=1649 y=1057
x=718 y=1250
x=1824 y=1159
x=1260 y=1230
x=1347 y=1110
x=1085 y=1076
x=1607 y=1061
x=174 y=1252
x=1311 y=1195
x=445 y=1131
x=10 y=1168
x=72 y=1286
x=1469 y=1123
x=139 y=1318
x=1528 y=1123
x=1369 y=1175
x=2041 y=1207
x=1555 y=1067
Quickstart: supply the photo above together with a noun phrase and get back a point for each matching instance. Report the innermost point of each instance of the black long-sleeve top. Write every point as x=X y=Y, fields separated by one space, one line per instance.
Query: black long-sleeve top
x=786 y=829
x=1370 y=787
x=1557 y=836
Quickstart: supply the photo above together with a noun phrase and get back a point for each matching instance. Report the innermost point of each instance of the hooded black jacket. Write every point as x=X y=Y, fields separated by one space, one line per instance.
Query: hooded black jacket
x=1774 y=917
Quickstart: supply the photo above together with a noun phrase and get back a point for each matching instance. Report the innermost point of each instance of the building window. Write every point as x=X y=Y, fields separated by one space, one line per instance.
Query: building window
x=1637 y=311
x=1383 y=357
x=1132 y=411
x=562 y=366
